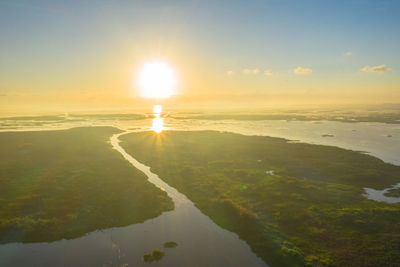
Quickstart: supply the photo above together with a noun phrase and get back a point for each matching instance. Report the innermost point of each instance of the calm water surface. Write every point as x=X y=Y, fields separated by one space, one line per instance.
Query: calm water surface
x=378 y=139
x=379 y=195
x=201 y=242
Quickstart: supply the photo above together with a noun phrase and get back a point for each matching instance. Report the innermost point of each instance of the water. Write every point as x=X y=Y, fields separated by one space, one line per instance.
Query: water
x=378 y=139
x=201 y=241
x=379 y=195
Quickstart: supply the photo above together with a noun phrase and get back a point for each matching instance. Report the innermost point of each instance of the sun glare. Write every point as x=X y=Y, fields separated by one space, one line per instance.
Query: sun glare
x=158 y=122
x=157 y=80
x=157 y=109
x=158 y=125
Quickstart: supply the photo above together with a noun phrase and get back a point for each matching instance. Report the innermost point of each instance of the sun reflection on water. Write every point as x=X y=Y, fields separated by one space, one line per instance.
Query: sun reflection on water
x=158 y=122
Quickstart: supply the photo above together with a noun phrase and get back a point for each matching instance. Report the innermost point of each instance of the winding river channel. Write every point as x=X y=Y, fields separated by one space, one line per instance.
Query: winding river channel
x=201 y=241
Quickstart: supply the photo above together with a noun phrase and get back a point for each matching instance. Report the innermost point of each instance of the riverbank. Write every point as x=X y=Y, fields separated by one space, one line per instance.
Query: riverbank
x=310 y=210
x=200 y=240
x=63 y=184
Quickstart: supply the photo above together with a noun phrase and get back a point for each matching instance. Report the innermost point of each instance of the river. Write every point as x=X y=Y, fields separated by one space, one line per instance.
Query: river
x=201 y=242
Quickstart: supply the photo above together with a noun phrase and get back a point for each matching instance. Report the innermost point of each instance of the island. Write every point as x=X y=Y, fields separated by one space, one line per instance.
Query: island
x=170 y=244
x=394 y=192
x=155 y=255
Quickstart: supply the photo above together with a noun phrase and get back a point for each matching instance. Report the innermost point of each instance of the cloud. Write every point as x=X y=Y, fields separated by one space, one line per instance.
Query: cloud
x=379 y=69
x=230 y=72
x=300 y=70
x=268 y=72
x=348 y=54
x=249 y=71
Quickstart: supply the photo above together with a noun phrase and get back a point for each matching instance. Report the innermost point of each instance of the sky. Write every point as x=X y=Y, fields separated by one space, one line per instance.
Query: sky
x=66 y=55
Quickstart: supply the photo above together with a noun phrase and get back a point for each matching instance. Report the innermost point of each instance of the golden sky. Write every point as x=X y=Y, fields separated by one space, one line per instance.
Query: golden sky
x=87 y=55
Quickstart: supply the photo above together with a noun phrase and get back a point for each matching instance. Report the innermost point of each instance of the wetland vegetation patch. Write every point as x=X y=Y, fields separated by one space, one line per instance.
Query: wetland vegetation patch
x=63 y=184
x=310 y=212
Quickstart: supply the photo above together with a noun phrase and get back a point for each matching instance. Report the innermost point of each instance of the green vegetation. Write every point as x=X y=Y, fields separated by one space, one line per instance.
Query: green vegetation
x=170 y=244
x=394 y=192
x=158 y=254
x=308 y=211
x=155 y=255
x=63 y=184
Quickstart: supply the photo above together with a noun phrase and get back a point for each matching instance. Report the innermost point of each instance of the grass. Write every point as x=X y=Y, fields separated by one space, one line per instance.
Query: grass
x=394 y=192
x=309 y=211
x=170 y=244
x=155 y=255
x=63 y=184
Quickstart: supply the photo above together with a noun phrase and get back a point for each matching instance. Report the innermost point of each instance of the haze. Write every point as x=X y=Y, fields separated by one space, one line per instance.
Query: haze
x=258 y=133
x=85 y=55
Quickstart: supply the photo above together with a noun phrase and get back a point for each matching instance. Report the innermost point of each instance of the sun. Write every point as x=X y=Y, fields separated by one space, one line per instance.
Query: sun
x=157 y=80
